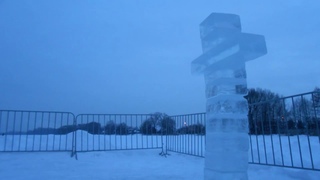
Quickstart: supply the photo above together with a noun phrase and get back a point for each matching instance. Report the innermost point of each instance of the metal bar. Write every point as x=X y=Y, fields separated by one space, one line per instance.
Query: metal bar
x=289 y=139
x=167 y=134
x=87 y=128
x=48 y=132
x=13 y=130
x=199 y=134
x=252 y=159
x=250 y=123
x=120 y=132
x=263 y=134
x=280 y=141
x=20 y=132
x=139 y=130
x=189 y=139
x=41 y=131
x=110 y=132
x=74 y=139
x=115 y=131
x=205 y=137
x=203 y=143
x=6 y=133
x=126 y=131
x=300 y=153
x=98 y=132
x=308 y=137
x=66 y=136
x=81 y=132
x=194 y=134
x=26 y=146
x=132 y=133
x=176 y=134
x=35 y=122
x=315 y=112
x=104 y=130
x=93 y=132
x=55 y=129
x=181 y=135
x=61 y=117
x=185 y=137
x=309 y=147
x=295 y=118
x=271 y=135
x=148 y=136
x=257 y=142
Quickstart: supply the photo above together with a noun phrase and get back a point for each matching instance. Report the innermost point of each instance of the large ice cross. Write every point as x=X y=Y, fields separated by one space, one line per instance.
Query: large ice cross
x=225 y=51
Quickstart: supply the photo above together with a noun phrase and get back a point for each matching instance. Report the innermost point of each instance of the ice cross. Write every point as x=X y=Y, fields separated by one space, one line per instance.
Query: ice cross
x=225 y=51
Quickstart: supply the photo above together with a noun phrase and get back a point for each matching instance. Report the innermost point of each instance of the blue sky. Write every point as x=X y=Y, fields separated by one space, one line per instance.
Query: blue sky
x=120 y=56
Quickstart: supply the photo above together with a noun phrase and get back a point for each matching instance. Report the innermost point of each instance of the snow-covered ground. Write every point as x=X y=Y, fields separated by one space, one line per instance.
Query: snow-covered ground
x=133 y=164
x=126 y=164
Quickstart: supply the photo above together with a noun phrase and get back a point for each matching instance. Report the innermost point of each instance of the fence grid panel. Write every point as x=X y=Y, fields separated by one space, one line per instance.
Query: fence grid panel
x=36 y=131
x=285 y=132
x=189 y=135
x=104 y=132
x=282 y=132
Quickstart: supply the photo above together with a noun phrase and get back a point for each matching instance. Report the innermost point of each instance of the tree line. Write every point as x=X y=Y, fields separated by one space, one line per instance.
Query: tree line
x=156 y=124
x=270 y=113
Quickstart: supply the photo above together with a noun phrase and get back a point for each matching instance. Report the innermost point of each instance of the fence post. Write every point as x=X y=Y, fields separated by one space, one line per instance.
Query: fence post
x=74 y=138
x=164 y=147
x=167 y=134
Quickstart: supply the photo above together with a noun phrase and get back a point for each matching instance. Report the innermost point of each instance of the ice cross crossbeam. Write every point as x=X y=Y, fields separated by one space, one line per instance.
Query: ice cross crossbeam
x=225 y=46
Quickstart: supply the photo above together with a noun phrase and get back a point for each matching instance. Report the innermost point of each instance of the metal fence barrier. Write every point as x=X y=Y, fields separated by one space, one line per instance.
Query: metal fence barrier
x=189 y=136
x=285 y=131
x=282 y=132
x=49 y=131
x=102 y=132
x=36 y=131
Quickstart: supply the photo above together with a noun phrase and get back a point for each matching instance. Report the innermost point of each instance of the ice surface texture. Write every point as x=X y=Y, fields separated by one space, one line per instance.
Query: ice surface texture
x=224 y=45
x=225 y=51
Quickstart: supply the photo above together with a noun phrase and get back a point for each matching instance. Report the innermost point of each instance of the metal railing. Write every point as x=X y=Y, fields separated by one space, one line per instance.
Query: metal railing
x=36 y=131
x=282 y=132
x=49 y=131
x=189 y=137
x=285 y=132
x=103 y=132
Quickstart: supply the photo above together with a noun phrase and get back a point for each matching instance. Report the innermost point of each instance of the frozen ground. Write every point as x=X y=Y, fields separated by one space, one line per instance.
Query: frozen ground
x=126 y=164
x=136 y=164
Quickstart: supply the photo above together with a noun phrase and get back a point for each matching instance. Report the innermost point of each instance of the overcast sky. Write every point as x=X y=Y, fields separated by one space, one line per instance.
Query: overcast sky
x=134 y=56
